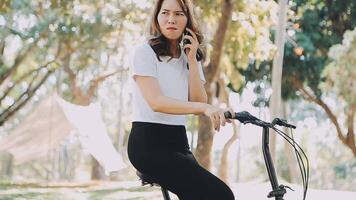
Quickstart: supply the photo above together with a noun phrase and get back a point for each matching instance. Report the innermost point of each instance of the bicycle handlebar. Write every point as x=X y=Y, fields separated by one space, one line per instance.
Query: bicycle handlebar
x=245 y=118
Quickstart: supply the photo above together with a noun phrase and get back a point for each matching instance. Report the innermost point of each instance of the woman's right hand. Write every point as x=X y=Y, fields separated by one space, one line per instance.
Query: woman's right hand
x=217 y=116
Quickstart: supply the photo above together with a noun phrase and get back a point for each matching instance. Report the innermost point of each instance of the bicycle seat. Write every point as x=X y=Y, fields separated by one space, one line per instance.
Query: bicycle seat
x=146 y=179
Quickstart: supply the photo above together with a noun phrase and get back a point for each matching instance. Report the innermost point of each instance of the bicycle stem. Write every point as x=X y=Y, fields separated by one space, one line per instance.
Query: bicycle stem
x=277 y=191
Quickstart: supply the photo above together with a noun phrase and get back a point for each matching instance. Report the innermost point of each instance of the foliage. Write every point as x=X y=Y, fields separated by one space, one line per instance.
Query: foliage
x=79 y=37
x=313 y=27
x=340 y=73
x=248 y=37
x=81 y=40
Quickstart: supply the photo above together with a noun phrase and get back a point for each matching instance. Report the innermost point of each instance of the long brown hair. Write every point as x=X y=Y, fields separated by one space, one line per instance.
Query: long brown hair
x=158 y=42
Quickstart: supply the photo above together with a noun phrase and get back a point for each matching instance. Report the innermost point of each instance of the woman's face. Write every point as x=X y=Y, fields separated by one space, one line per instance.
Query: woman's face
x=171 y=19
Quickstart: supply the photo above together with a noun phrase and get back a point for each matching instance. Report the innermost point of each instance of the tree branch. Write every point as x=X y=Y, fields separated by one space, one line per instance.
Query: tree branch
x=9 y=89
x=18 y=60
x=94 y=83
x=350 y=136
x=20 y=103
x=28 y=74
x=349 y=139
x=2 y=47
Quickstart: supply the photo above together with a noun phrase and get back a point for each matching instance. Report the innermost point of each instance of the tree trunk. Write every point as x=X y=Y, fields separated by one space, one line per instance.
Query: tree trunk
x=120 y=133
x=223 y=97
x=224 y=165
x=97 y=172
x=205 y=133
x=238 y=158
x=292 y=163
x=277 y=72
x=6 y=165
x=205 y=141
x=193 y=132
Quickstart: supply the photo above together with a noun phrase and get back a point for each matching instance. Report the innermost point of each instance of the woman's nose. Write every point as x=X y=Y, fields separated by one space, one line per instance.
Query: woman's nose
x=171 y=19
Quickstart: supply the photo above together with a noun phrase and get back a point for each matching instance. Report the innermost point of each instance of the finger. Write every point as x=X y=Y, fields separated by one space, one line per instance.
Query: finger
x=187 y=46
x=194 y=44
x=232 y=115
x=193 y=34
x=228 y=120
x=222 y=119
x=217 y=122
x=190 y=38
x=212 y=121
x=232 y=112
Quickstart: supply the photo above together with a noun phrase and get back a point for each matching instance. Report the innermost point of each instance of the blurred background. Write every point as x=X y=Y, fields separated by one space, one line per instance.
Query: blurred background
x=65 y=95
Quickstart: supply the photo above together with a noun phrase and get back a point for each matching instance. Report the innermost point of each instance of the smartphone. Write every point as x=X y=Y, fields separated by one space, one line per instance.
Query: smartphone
x=199 y=54
x=186 y=41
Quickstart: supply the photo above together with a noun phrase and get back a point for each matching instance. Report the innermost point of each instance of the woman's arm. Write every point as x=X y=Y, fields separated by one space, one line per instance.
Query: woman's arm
x=151 y=91
x=197 y=91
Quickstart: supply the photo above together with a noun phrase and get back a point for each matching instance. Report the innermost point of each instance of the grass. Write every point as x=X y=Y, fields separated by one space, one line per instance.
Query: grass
x=93 y=191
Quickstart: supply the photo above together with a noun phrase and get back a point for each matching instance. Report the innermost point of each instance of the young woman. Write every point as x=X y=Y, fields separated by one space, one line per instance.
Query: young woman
x=168 y=84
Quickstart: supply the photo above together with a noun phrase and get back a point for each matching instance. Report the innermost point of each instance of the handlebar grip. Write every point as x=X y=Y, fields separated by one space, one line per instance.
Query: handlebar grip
x=283 y=122
x=243 y=116
x=228 y=115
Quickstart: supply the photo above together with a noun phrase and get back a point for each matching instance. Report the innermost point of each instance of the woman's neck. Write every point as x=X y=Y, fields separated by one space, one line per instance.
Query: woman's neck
x=174 y=49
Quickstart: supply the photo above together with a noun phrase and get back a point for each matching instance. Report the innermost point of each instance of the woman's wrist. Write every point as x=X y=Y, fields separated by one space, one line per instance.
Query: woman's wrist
x=193 y=61
x=201 y=107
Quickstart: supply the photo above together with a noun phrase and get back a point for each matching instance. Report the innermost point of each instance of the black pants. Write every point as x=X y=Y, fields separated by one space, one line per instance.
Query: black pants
x=162 y=152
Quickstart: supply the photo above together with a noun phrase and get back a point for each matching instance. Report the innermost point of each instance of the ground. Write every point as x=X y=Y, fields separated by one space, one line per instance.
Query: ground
x=132 y=190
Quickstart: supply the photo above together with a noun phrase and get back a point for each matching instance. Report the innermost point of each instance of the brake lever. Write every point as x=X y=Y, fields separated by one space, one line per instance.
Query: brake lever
x=282 y=122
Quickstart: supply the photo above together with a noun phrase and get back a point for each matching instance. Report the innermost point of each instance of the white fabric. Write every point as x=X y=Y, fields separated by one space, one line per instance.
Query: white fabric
x=51 y=122
x=92 y=134
x=172 y=76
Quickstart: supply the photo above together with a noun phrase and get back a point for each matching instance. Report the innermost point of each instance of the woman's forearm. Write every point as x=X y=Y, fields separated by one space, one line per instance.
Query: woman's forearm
x=197 y=91
x=169 y=105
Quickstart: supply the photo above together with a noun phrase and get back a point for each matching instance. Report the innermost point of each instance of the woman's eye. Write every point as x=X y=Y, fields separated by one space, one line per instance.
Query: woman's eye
x=164 y=12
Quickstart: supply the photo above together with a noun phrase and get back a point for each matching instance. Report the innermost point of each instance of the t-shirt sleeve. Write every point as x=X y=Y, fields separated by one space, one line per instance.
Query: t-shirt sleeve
x=201 y=73
x=143 y=62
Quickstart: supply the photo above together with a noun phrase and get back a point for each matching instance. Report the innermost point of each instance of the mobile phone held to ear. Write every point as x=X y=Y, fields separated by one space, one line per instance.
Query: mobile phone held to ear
x=186 y=41
x=199 y=54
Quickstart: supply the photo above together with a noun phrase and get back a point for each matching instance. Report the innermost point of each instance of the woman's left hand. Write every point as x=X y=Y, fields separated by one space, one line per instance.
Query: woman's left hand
x=191 y=49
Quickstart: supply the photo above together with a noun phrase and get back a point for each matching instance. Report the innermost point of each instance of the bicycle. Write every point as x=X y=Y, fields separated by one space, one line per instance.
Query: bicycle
x=278 y=191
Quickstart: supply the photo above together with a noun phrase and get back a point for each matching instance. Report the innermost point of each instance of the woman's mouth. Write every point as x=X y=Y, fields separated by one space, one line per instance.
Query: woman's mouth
x=171 y=29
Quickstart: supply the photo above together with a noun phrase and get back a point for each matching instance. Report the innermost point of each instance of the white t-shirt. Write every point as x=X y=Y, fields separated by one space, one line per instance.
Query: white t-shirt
x=172 y=77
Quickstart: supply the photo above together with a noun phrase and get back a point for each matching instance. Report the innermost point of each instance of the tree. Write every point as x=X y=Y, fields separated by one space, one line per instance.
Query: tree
x=241 y=34
x=22 y=71
x=340 y=77
x=313 y=29
x=276 y=99
x=83 y=64
x=81 y=38
x=321 y=25
x=205 y=132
